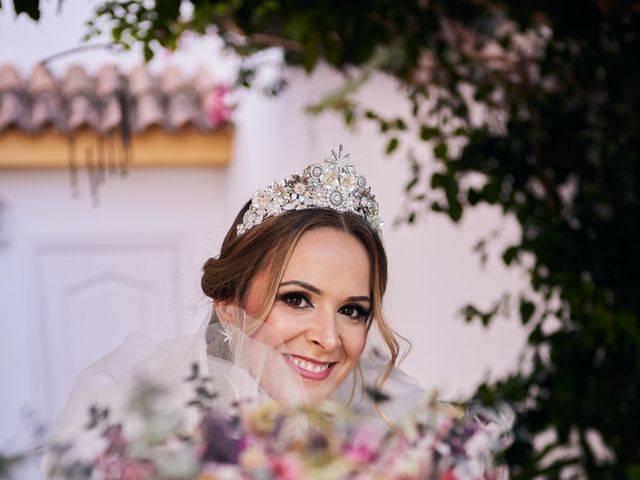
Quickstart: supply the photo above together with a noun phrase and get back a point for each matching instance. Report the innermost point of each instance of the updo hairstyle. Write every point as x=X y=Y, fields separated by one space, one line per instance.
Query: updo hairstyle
x=269 y=246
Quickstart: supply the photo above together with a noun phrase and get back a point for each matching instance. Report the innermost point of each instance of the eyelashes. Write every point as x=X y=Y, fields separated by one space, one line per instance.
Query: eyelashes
x=301 y=300
x=297 y=300
x=356 y=312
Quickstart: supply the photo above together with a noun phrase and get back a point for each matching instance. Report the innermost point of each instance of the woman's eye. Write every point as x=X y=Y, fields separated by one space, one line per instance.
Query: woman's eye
x=355 y=312
x=296 y=300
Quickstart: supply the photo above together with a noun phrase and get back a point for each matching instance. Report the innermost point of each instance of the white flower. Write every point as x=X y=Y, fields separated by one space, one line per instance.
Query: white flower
x=330 y=179
x=261 y=199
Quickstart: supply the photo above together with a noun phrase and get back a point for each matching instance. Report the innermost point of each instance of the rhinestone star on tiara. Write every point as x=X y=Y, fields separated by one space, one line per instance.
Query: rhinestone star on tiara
x=333 y=184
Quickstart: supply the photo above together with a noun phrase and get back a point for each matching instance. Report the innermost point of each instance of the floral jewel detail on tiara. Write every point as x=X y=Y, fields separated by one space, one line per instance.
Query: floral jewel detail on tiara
x=333 y=184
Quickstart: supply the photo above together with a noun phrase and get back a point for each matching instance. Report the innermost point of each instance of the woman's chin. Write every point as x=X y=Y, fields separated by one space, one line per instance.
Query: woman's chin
x=319 y=391
x=317 y=395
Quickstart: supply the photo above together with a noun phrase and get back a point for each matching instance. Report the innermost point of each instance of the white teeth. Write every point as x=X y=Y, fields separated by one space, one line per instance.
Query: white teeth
x=308 y=366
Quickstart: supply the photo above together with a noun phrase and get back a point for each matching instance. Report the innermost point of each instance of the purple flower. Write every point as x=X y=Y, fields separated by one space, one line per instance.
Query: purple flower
x=222 y=442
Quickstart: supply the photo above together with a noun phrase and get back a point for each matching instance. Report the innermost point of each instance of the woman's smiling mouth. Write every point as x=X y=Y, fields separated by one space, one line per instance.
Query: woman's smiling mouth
x=308 y=368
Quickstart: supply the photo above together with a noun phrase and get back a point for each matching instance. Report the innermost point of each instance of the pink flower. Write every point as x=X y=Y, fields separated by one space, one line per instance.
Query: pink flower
x=449 y=475
x=218 y=107
x=286 y=467
x=142 y=470
x=365 y=445
x=116 y=440
x=111 y=466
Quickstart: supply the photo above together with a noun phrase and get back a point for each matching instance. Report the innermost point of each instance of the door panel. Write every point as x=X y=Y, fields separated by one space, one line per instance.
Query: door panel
x=91 y=298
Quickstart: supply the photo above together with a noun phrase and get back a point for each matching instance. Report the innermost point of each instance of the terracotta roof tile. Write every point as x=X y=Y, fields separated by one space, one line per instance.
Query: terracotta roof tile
x=107 y=81
x=44 y=111
x=82 y=113
x=149 y=112
x=77 y=82
x=183 y=110
x=13 y=112
x=140 y=81
x=171 y=81
x=9 y=78
x=111 y=114
x=80 y=100
x=41 y=82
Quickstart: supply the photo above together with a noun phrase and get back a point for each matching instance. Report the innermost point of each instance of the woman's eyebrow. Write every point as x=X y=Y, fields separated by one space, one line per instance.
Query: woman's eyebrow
x=362 y=298
x=302 y=284
x=314 y=289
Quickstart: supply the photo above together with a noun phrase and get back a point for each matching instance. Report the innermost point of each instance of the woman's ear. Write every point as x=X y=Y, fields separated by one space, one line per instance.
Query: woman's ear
x=226 y=312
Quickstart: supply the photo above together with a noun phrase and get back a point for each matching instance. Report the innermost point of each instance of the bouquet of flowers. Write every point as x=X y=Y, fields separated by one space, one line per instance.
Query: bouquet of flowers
x=269 y=441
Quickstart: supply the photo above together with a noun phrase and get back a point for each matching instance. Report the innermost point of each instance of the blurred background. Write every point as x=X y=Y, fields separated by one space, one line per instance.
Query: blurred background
x=82 y=269
x=98 y=241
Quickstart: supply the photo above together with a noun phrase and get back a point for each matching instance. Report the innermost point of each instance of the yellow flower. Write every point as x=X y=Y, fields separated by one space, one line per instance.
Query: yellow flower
x=253 y=458
x=263 y=419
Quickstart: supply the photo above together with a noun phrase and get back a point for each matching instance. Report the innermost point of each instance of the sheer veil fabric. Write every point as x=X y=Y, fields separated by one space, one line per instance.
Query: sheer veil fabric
x=224 y=359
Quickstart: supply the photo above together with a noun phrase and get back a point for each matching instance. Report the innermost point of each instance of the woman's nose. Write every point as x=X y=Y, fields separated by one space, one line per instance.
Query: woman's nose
x=323 y=331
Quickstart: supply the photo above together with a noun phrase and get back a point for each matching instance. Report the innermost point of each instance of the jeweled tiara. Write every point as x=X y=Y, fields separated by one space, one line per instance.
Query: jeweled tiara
x=333 y=184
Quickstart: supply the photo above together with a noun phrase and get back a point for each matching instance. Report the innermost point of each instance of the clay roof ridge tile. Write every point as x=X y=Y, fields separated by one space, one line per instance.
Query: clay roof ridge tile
x=182 y=110
x=41 y=81
x=10 y=78
x=141 y=81
x=172 y=81
x=148 y=112
x=76 y=81
x=46 y=110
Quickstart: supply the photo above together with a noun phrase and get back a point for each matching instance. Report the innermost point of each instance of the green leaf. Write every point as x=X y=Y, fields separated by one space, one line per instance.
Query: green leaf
x=7 y=463
x=349 y=117
x=439 y=180
x=148 y=52
x=455 y=210
x=427 y=133
x=392 y=146
x=401 y=124
x=412 y=183
x=310 y=54
x=436 y=206
x=510 y=254
x=440 y=151
x=30 y=7
x=527 y=309
x=633 y=471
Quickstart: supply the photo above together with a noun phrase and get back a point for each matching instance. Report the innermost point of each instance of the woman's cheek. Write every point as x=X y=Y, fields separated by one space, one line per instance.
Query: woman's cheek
x=355 y=341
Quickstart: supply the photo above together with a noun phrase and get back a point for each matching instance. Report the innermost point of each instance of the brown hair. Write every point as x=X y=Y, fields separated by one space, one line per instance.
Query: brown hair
x=269 y=246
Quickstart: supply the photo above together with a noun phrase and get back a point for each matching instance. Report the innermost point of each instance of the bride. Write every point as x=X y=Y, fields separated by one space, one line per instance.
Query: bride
x=296 y=318
x=305 y=261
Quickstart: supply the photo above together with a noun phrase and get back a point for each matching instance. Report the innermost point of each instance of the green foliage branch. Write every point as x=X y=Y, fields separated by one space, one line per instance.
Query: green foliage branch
x=556 y=146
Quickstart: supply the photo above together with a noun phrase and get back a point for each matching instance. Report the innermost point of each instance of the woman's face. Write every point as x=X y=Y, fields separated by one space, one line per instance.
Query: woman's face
x=321 y=309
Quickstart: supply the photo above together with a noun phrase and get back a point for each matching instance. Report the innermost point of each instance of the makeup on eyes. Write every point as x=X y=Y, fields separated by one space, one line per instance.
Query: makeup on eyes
x=300 y=299
x=362 y=312
x=290 y=297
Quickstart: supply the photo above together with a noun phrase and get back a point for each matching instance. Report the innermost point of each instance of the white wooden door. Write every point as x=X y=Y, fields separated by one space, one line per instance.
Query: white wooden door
x=91 y=297
x=76 y=280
